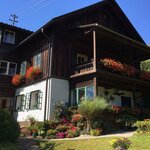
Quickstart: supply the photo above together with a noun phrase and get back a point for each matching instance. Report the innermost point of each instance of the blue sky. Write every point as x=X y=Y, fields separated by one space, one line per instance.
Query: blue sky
x=35 y=13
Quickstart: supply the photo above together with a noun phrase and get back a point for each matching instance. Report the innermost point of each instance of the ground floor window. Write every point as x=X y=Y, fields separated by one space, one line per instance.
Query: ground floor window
x=35 y=100
x=84 y=93
x=20 y=102
x=125 y=101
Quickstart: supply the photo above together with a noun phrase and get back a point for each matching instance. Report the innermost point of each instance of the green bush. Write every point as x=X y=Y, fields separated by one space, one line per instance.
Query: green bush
x=95 y=132
x=91 y=109
x=9 y=128
x=143 y=127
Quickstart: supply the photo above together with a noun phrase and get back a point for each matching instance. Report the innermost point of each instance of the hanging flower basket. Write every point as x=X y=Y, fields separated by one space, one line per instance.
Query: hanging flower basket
x=18 y=80
x=33 y=73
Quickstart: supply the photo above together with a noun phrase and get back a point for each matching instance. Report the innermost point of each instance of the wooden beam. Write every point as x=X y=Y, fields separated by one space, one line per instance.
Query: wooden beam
x=95 y=87
x=134 y=96
x=94 y=49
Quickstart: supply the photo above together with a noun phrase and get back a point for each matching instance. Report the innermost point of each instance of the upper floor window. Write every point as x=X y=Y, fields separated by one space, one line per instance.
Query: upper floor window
x=9 y=37
x=23 y=68
x=37 y=60
x=81 y=58
x=7 y=68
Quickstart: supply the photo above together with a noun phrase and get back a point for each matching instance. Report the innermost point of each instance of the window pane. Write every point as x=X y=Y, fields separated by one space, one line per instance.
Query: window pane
x=23 y=68
x=9 y=37
x=90 y=92
x=34 y=100
x=81 y=95
x=19 y=103
x=3 y=64
x=12 y=65
x=3 y=67
x=37 y=60
x=12 y=69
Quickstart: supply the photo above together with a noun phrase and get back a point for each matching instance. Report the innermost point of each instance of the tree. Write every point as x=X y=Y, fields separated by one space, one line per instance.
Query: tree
x=91 y=109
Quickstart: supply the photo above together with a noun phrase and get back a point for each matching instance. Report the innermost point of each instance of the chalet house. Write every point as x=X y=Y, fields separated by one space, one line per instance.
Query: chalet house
x=89 y=52
x=10 y=36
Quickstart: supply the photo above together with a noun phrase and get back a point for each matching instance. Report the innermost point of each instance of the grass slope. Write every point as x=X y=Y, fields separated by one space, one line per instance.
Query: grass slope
x=138 y=143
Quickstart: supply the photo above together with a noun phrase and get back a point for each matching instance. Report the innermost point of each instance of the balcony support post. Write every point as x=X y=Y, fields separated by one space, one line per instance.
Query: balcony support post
x=95 y=87
x=94 y=50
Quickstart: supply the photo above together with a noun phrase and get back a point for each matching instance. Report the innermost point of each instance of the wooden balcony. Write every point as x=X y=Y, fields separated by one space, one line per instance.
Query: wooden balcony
x=83 y=69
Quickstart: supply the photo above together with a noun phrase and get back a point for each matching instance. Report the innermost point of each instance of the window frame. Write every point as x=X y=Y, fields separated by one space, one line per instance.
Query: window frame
x=35 y=60
x=5 y=37
x=21 y=70
x=8 y=67
x=22 y=101
x=37 y=107
x=85 y=93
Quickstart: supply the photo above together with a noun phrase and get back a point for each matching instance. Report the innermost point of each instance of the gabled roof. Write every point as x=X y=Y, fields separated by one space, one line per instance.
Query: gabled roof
x=14 y=27
x=115 y=6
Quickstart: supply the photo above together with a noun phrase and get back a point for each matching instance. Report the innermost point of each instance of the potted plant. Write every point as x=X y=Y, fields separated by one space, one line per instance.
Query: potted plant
x=33 y=73
x=120 y=143
x=18 y=80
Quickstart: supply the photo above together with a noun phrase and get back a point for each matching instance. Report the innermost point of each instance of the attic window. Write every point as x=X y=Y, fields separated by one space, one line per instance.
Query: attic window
x=9 y=37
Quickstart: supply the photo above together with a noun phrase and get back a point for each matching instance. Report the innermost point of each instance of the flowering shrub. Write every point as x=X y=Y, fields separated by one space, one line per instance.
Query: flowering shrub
x=51 y=133
x=18 y=79
x=76 y=118
x=116 y=109
x=143 y=126
x=73 y=132
x=61 y=135
x=33 y=73
x=62 y=128
x=95 y=132
x=145 y=75
x=120 y=143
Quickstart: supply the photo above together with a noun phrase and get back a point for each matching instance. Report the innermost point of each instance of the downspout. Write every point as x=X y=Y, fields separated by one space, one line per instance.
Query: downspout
x=49 y=69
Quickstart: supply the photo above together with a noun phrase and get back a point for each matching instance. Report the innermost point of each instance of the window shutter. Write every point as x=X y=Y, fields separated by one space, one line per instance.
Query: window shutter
x=39 y=104
x=27 y=101
x=23 y=103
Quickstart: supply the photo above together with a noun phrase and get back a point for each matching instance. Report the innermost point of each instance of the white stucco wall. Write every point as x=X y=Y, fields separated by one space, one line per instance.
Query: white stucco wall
x=38 y=113
x=58 y=90
x=117 y=99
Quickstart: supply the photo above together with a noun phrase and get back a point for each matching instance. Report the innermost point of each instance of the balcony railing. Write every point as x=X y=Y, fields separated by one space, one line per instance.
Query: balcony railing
x=88 y=68
x=83 y=69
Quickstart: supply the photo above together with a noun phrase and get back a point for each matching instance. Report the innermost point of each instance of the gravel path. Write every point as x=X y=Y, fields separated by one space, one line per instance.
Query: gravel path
x=27 y=144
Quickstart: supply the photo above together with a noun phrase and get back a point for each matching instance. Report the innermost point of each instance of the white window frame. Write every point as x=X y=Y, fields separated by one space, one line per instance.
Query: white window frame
x=13 y=42
x=7 y=69
x=21 y=68
x=35 y=60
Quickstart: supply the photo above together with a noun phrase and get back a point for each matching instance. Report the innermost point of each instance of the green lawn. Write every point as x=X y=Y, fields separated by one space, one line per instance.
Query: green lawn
x=8 y=146
x=138 y=143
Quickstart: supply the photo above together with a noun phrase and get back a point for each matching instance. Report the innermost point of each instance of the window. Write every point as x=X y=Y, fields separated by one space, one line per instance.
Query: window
x=84 y=93
x=35 y=100
x=23 y=68
x=7 y=68
x=20 y=103
x=81 y=58
x=37 y=60
x=9 y=37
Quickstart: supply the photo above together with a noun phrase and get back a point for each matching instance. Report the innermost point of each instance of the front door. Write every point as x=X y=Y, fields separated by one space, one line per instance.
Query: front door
x=125 y=101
